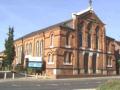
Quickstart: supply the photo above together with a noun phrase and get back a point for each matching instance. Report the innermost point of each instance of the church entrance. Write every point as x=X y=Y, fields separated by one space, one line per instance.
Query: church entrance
x=86 y=63
x=94 y=63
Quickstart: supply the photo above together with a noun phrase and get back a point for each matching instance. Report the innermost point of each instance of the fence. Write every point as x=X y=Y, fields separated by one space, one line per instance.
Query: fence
x=5 y=74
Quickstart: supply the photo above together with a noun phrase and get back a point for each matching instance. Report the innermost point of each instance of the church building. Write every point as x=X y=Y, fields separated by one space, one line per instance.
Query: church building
x=73 y=48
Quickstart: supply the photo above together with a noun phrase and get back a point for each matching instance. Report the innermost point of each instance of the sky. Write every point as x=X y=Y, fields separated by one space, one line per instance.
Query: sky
x=30 y=15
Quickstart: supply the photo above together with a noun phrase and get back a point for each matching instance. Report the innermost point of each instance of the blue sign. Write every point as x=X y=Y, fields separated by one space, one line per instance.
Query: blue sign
x=34 y=64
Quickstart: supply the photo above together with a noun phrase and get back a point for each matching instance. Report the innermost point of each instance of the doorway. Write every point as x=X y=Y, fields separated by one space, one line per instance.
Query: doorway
x=86 y=63
x=94 y=63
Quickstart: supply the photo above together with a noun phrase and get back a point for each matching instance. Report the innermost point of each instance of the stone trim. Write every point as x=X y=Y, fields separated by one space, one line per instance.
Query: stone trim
x=90 y=53
x=56 y=71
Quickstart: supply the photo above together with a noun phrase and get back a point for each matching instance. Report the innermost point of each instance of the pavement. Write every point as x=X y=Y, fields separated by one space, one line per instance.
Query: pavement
x=45 y=83
x=33 y=77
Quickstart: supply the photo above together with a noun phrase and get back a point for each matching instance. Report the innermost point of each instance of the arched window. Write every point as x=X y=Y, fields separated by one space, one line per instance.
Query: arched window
x=80 y=39
x=30 y=48
x=69 y=39
x=37 y=48
x=41 y=47
x=67 y=58
x=19 y=54
x=80 y=27
x=109 y=61
x=50 y=58
x=112 y=48
x=51 y=39
x=27 y=47
x=97 y=37
x=16 y=51
x=89 y=34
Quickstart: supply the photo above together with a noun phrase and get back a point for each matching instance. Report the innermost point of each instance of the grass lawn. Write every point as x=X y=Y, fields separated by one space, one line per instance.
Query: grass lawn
x=110 y=85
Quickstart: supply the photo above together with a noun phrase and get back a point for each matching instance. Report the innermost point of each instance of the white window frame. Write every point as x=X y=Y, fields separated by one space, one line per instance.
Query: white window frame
x=52 y=40
x=66 y=59
x=69 y=41
x=41 y=48
x=37 y=48
x=50 y=59
x=27 y=48
x=109 y=63
x=30 y=48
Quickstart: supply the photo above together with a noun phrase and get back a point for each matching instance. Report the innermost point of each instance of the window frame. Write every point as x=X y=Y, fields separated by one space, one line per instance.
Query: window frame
x=89 y=28
x=67 y=58
x=37 y=48
x=51 y=40
x=50 y=58
x=97 y=37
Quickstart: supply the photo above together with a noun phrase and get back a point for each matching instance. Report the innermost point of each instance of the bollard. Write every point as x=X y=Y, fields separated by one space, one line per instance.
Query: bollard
x=13 y=75
x=5 y=75
x=25 y=74
x=36 y=75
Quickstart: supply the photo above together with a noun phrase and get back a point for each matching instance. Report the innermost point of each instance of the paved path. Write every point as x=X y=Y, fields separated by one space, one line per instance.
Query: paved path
x=52 y=84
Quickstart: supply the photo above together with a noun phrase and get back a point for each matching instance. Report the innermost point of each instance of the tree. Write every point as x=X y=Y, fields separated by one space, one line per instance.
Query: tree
x=9 y=48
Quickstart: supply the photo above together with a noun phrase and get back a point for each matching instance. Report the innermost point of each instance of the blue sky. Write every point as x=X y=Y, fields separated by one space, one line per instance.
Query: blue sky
x=30 y=15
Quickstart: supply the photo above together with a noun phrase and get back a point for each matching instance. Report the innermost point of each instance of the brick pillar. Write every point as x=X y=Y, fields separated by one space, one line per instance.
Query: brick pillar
x=90 y=63
x=82 y=62
x=97 y=64
x=104 y=50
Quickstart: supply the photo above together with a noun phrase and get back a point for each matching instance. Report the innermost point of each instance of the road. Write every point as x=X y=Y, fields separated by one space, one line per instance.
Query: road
x=64 y=84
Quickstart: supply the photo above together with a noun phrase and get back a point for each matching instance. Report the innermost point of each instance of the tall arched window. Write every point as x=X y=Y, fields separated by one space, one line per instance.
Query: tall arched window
x=70 y=40
x=80 y=27
x=16 y=51
x=109 y=61
x=50 y=58
x=51 y=39
x=80 y=39
x=68 y=58
x=30 y=48
x=27 y=47
x=97 y=37
x=89 y=28
x=37 y=48
x=67 y=38
x=41 y=47
x=19 y=54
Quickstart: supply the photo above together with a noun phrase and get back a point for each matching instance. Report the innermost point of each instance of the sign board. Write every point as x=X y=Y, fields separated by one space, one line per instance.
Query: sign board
x=34 y=64
x=35 y=59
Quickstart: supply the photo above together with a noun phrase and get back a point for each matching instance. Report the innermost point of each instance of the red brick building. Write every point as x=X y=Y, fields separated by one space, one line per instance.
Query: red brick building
x=76 y=47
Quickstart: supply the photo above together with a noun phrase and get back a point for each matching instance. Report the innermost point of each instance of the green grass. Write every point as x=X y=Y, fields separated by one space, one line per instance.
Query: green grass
x=110 y=85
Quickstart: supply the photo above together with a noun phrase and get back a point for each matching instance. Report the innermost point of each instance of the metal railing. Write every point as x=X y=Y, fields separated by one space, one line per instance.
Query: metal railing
x=6 y=72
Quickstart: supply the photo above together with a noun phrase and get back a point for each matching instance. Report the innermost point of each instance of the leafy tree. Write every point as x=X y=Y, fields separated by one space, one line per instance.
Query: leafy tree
x=9 y=48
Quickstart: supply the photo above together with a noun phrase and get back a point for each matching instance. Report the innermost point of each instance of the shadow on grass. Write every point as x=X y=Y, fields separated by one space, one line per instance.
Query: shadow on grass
x=110 y=85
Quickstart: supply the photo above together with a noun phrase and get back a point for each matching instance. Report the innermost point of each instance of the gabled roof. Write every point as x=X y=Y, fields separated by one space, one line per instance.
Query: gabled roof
x=85 y=12
x=118 y=42
x=67 y=24
x=109 y=38
x=62 y=24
